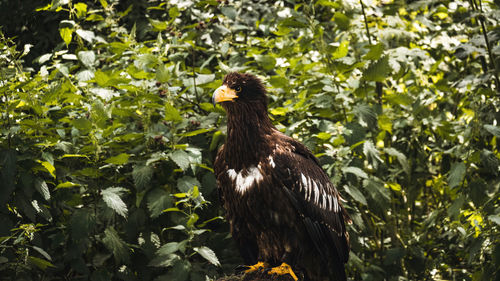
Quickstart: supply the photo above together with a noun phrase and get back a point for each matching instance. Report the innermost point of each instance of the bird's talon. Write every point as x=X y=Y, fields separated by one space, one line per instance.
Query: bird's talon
x=258 y=266
x=282 y=270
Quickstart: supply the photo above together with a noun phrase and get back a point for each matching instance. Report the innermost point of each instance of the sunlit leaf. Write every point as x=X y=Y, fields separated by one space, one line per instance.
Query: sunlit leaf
x=208 y=254
x=112 y=198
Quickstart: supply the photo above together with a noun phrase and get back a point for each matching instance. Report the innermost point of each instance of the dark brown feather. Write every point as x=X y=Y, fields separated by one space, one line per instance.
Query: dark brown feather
x=280 y=204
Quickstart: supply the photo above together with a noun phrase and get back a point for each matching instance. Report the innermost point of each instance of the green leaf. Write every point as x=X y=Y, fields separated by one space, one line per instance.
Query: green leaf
x=87 y=58
x=266 y=61
x=454 y=209
x=42 y=188
x=86 y=35
x=49 y=167
x=342 y=21
x=111 y=197
x=378 y=192
x=456 y=175
x=81 y=9
x=173 y=12
x=66 y=34
x=171 y=113
x=8 y=160
x=115 y=244
x=494 y=130
x=168 y=249
x=279 y=111
x=356 y=171
x=355 y=194
x=43 y=253
x=377 y=71
x=158 y=25
x=142 y=175
x=401 y=158
x=162 y=73
x=67 y=184
x=341 y=50
x=375 y=52
x=158 y=200
x=119 y=159
x=196 y=132
x=83 y=125
x=371 y=153
x=324 y=136
x=495 y=219
x=40 y=263
x=208 y=254
x=181 y=158
x=81 y=224
x=385 y=123
x=185 y=183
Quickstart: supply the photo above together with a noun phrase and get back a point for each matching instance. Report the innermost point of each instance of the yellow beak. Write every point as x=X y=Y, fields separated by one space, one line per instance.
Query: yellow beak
x=223 y=93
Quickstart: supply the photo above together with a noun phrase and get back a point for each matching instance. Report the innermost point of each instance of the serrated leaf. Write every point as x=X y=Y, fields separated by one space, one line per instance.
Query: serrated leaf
x=42 y=188
x=495 y=219
x=494 y=130
x=86 y=35
x=162 y=73
x=119 y=159
x=356 y=194
x=171 y=113
x=115 y=244
x=142 y=175
x=208 y=254
x=377 y=191
x=367 y=116
x=356 y=171
x=377 y=71
x=111 y=197
x=157 y=201
x=87 y=58
x=181 y=158
x=371 y=153
x=185 y=183
x=457 y=173
x=401 y=158
x=168 y=249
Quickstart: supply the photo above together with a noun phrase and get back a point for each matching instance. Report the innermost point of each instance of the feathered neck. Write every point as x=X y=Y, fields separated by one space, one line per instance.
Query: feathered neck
x=249 y=133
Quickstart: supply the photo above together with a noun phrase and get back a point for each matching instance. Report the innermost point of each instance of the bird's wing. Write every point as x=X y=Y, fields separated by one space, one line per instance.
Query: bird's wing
x=314 y=197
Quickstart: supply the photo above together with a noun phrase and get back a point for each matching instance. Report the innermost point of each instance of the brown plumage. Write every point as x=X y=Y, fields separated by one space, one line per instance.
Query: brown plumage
x=280 y=204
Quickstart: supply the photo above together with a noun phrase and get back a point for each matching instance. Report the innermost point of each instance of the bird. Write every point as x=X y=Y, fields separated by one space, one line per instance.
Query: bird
x=284 y=213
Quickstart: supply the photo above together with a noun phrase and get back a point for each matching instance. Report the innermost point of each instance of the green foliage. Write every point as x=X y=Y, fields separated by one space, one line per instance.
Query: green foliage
x=106 y=148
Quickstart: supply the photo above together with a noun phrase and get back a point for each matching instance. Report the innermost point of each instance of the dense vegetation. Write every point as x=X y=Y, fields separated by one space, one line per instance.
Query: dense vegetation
x=107 y=134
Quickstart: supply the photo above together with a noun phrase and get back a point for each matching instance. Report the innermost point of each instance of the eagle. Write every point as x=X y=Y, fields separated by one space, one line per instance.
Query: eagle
x=284 y=213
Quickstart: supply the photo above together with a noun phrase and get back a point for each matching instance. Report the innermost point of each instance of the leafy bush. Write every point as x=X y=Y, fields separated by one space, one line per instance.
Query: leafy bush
x=107 y=147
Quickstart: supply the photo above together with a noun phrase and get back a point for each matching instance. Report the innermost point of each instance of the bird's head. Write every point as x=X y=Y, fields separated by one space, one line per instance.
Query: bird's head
x=240 y=89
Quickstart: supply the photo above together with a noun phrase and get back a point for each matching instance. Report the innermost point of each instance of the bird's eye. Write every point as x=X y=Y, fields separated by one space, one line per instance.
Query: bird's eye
x=238 y=89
